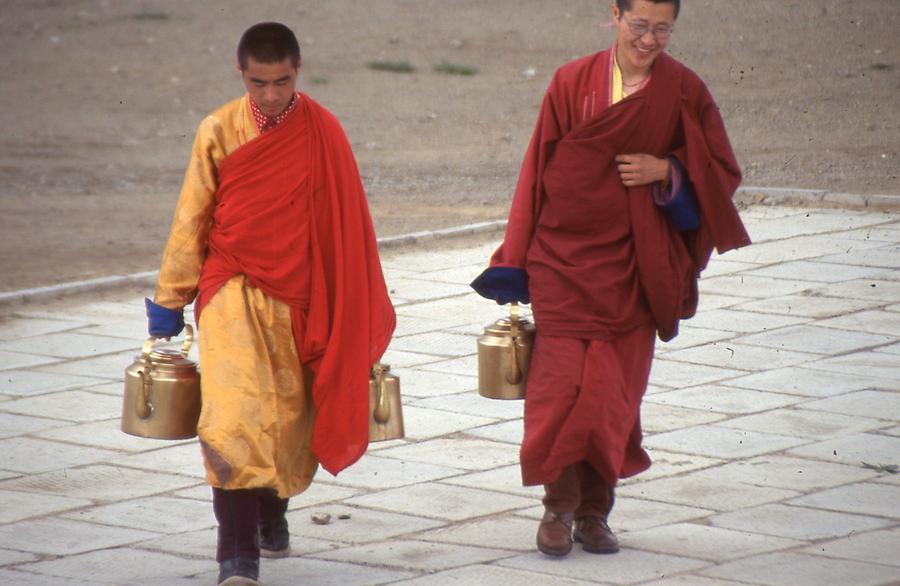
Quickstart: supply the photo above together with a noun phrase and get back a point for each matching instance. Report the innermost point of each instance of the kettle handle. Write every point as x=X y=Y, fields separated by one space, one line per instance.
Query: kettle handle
x=185 y=346
x=382 y=412
x=514 y=371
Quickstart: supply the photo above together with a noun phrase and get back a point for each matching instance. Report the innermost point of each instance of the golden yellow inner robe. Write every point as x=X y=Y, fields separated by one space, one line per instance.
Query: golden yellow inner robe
x=257 y=417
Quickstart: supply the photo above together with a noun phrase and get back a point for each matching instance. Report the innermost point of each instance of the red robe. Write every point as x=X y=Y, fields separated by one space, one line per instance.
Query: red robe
x=291 y=215
x=604 y=263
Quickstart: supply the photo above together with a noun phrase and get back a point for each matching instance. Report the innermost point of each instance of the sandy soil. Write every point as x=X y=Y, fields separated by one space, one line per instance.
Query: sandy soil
x=101 y=98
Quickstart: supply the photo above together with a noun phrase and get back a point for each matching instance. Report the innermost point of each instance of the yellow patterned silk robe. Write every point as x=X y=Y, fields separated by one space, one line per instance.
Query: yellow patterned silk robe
x=257 y=417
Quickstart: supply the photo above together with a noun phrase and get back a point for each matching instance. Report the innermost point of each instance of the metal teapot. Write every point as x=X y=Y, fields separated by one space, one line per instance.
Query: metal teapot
x=162 y=393
x=385 y=407
x=504 y=354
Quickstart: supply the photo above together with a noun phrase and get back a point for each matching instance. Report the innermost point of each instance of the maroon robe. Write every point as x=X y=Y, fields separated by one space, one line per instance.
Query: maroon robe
x=605 y=266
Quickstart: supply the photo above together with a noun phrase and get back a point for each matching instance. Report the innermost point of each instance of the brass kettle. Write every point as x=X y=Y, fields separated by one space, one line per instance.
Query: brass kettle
x=504 y=354
x=162 y=392
x=385 y=407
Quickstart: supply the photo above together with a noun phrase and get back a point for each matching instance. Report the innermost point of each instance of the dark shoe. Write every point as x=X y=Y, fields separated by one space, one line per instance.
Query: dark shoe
x=595 y=535
x=274 y=539
x=239 y=572
x=554 y=535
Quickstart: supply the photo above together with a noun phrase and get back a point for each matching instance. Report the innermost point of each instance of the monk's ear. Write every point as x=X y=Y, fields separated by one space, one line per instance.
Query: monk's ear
x=299 y=64
x=615 y=12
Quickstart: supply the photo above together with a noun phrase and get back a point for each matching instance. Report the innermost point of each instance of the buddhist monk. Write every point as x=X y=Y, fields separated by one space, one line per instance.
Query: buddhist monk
x=273 y=241
x=625 y=190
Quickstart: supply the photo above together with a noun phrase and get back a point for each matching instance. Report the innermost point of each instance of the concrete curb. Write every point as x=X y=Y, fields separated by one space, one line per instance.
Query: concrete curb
x=148 y=278
x=773 y=196
x=817 y=198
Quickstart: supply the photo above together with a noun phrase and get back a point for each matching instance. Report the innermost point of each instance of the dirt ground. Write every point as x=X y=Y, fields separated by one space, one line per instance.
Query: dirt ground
x=101 y=98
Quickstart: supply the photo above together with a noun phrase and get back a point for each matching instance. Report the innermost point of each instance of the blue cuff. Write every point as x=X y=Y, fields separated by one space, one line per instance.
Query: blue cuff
x=503 y=285
x=682 y=209
x=163 y=322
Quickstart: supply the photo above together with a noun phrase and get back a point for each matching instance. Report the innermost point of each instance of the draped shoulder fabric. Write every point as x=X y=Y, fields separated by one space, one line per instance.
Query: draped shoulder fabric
x=291 y=216
x=602 y=257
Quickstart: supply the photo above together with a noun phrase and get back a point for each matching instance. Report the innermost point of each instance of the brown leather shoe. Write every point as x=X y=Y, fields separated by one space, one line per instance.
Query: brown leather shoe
x=554 y=536
x=595 y=535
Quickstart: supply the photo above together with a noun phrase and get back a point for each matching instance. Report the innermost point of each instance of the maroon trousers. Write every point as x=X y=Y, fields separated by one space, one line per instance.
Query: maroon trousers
x=582 y=404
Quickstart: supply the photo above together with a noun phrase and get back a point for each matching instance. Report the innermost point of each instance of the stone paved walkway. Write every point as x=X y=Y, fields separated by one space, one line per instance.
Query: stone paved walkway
x=759 y=418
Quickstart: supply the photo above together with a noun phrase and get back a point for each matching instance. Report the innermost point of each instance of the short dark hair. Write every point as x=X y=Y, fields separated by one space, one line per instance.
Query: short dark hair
x=268 y=42
x=626 y=4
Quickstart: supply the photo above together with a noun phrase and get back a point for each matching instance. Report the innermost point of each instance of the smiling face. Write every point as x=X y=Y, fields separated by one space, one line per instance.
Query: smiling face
x=636 y=53
x=271 y=85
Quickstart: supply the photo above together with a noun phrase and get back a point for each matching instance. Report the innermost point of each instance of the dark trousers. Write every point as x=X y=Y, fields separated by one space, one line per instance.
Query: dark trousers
x=579 y=489
x=240 y=514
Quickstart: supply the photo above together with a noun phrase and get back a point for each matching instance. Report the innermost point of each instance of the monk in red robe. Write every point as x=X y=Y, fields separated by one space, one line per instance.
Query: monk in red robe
x=272 y=237
x=625 y=190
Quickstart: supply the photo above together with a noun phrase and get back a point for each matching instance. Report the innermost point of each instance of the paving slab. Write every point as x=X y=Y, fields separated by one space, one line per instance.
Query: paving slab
x=627 y=567
x=886 y=323
x=796 y=522
x=704 y=542
x=882 y=405
x=791 y=569
x=159 y=514
x=292 y=570
x=669 y=373
x=865 y=498
x=25 y=382
x=62 y=537
x=23 y=505
x=634 y=514
x=878 y=547
x=359 y=525
x=78 y=406
x=502 y=532
x=740 y=356
x=468 y=454
x=505 y=479
x=415 y=382
x=710 y=493
x=721 y=442
x=442 y=501
x=723 y=399
x=825 y=340
x=99 y=482
x=485 y=575
x=805 y=306
x=853 y=449
x=659 y=416
x=69 y=345
x=474 y=404
x=18 y=328
x=102 y=434
x=12 y=425
x=33 y=456
x=802 y=422
x=800 y=380
x=666 y=464
x=508 y=431
x=414 y=555
x=18 y=360
x=121 y=566
x=421 y=423
x=377 y=472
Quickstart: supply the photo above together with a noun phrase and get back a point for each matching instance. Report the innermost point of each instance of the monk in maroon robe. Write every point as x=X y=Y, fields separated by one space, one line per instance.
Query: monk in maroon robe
x=625 y=190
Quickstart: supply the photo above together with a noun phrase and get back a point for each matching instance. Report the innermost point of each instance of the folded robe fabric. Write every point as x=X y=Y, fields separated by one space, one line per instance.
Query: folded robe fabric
x=302 y=234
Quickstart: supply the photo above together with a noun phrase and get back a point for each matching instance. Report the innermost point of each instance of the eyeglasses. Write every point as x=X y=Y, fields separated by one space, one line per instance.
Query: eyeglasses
x=641 y=28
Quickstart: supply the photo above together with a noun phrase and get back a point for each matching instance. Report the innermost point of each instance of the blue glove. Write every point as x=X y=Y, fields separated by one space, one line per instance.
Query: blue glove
x=163 y=322
x=503 y=285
